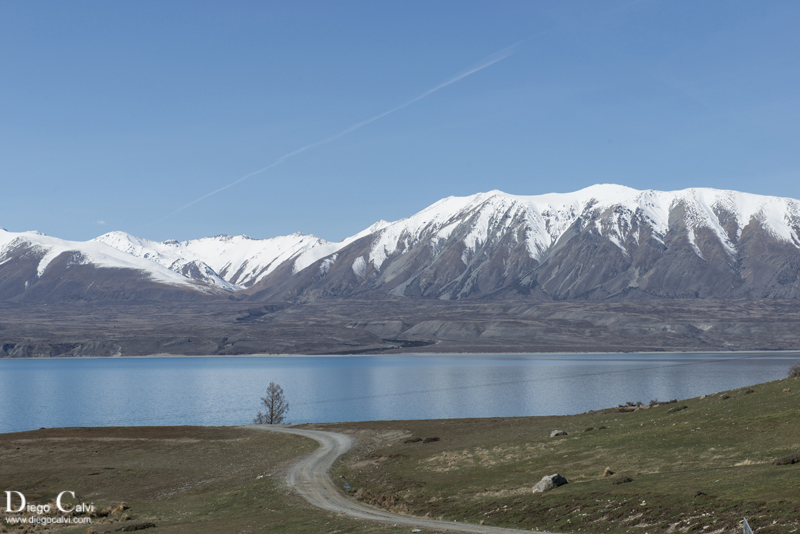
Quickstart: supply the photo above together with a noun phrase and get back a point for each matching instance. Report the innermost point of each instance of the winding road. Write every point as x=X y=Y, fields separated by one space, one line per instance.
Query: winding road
x=310 y=478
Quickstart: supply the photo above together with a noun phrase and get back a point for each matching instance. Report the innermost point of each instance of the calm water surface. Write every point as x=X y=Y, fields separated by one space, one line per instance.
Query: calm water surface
x=226 y=390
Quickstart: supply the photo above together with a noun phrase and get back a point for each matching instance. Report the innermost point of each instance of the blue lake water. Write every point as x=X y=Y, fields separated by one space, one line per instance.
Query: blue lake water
x=225 y=390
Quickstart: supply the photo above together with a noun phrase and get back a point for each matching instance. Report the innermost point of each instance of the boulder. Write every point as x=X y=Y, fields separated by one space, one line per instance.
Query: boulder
x=549 y=482
x=555 y=433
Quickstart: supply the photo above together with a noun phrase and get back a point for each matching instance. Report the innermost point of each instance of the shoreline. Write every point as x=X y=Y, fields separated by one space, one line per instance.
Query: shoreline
x=382 y=421
x=334 y=423
x=384 y=354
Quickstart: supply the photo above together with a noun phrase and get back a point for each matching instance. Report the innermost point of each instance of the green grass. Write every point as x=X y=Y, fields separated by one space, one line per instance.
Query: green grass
x=483 y=470
x=193 y=480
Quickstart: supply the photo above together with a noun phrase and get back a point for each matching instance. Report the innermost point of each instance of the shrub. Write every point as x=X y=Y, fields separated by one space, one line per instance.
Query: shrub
x=794 y=370
x=788 y=460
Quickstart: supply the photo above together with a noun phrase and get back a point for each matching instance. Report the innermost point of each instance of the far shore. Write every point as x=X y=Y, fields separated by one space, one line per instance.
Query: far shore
x=486 y=354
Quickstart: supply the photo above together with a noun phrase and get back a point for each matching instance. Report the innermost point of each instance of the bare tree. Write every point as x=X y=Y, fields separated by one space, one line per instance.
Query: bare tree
x=794 y=370
x=275 y=406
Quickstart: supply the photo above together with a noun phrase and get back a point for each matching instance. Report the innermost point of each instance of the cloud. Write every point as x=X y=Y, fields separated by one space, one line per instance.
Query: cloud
x=100 y=222
x=482 y=64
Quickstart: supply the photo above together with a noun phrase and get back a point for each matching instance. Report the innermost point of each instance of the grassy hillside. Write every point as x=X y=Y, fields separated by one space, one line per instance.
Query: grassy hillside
x=192 y=480
x=697 y=465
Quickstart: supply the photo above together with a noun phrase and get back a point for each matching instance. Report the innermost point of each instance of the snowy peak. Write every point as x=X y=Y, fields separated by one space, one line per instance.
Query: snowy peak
x=600 y=241
x=615 y=210
x=228 y=262
x=464 y=246
x=478 y=218
x=41 y=252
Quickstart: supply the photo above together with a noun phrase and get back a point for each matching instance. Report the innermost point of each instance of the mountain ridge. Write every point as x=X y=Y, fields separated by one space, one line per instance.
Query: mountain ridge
x=604 y=241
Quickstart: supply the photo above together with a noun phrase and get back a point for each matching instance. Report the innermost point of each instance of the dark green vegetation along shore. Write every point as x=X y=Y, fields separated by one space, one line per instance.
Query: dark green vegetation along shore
x=697 y=465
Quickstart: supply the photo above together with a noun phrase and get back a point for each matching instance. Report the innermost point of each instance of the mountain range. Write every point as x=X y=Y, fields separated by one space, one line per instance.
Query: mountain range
x=602 y=242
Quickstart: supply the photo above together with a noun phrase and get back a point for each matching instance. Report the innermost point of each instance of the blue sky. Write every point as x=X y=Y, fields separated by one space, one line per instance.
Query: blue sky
x=114 y=115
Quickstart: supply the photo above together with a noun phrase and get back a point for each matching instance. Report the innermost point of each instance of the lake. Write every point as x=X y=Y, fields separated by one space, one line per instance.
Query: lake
x=225 y=390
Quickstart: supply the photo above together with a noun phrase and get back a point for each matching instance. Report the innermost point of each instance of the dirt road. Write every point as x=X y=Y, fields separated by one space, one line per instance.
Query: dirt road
x=310 y=478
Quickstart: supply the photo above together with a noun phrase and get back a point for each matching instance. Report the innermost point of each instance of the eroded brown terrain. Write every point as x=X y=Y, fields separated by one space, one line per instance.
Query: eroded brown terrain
x=396 y=326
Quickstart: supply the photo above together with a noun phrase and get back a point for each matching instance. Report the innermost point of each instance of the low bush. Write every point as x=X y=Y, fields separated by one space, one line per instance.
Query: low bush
x=788 y=459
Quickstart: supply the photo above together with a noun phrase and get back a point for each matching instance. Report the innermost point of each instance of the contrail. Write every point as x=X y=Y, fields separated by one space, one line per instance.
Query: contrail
x=485 y=62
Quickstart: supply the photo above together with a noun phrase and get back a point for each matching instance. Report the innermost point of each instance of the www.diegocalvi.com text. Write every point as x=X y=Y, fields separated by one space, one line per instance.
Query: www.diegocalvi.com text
x=40 y=513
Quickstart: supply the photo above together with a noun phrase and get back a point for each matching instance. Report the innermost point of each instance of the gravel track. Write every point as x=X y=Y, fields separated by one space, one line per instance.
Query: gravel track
x=310 y=478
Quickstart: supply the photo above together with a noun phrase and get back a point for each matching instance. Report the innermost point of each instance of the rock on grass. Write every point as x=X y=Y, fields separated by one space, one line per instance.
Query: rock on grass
x=549 y=482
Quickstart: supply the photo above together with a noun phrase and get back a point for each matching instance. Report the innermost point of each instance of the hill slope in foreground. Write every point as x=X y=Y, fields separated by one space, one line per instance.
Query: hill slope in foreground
x=698 y=469
x=698 y=465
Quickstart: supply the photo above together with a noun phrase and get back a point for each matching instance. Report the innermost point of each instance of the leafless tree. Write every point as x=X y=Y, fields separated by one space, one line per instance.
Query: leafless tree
x=275 y=406
x=794 y=370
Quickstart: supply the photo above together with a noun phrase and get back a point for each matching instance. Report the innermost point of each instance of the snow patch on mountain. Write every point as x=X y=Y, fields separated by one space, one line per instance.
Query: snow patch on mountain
x=360 y=267
x=327 y=263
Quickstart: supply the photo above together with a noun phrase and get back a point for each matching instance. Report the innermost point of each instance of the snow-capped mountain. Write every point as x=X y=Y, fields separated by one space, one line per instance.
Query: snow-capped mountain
x=230 y=263
x=227 y=262
x=600 y=242
x=618 y=214
x=34 y=266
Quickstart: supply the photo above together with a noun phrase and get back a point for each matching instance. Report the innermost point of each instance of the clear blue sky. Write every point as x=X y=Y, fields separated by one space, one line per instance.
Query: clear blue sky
x=113 y=115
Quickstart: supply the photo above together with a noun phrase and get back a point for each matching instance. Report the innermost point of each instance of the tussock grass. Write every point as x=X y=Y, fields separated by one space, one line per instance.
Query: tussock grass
x=700 y=469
